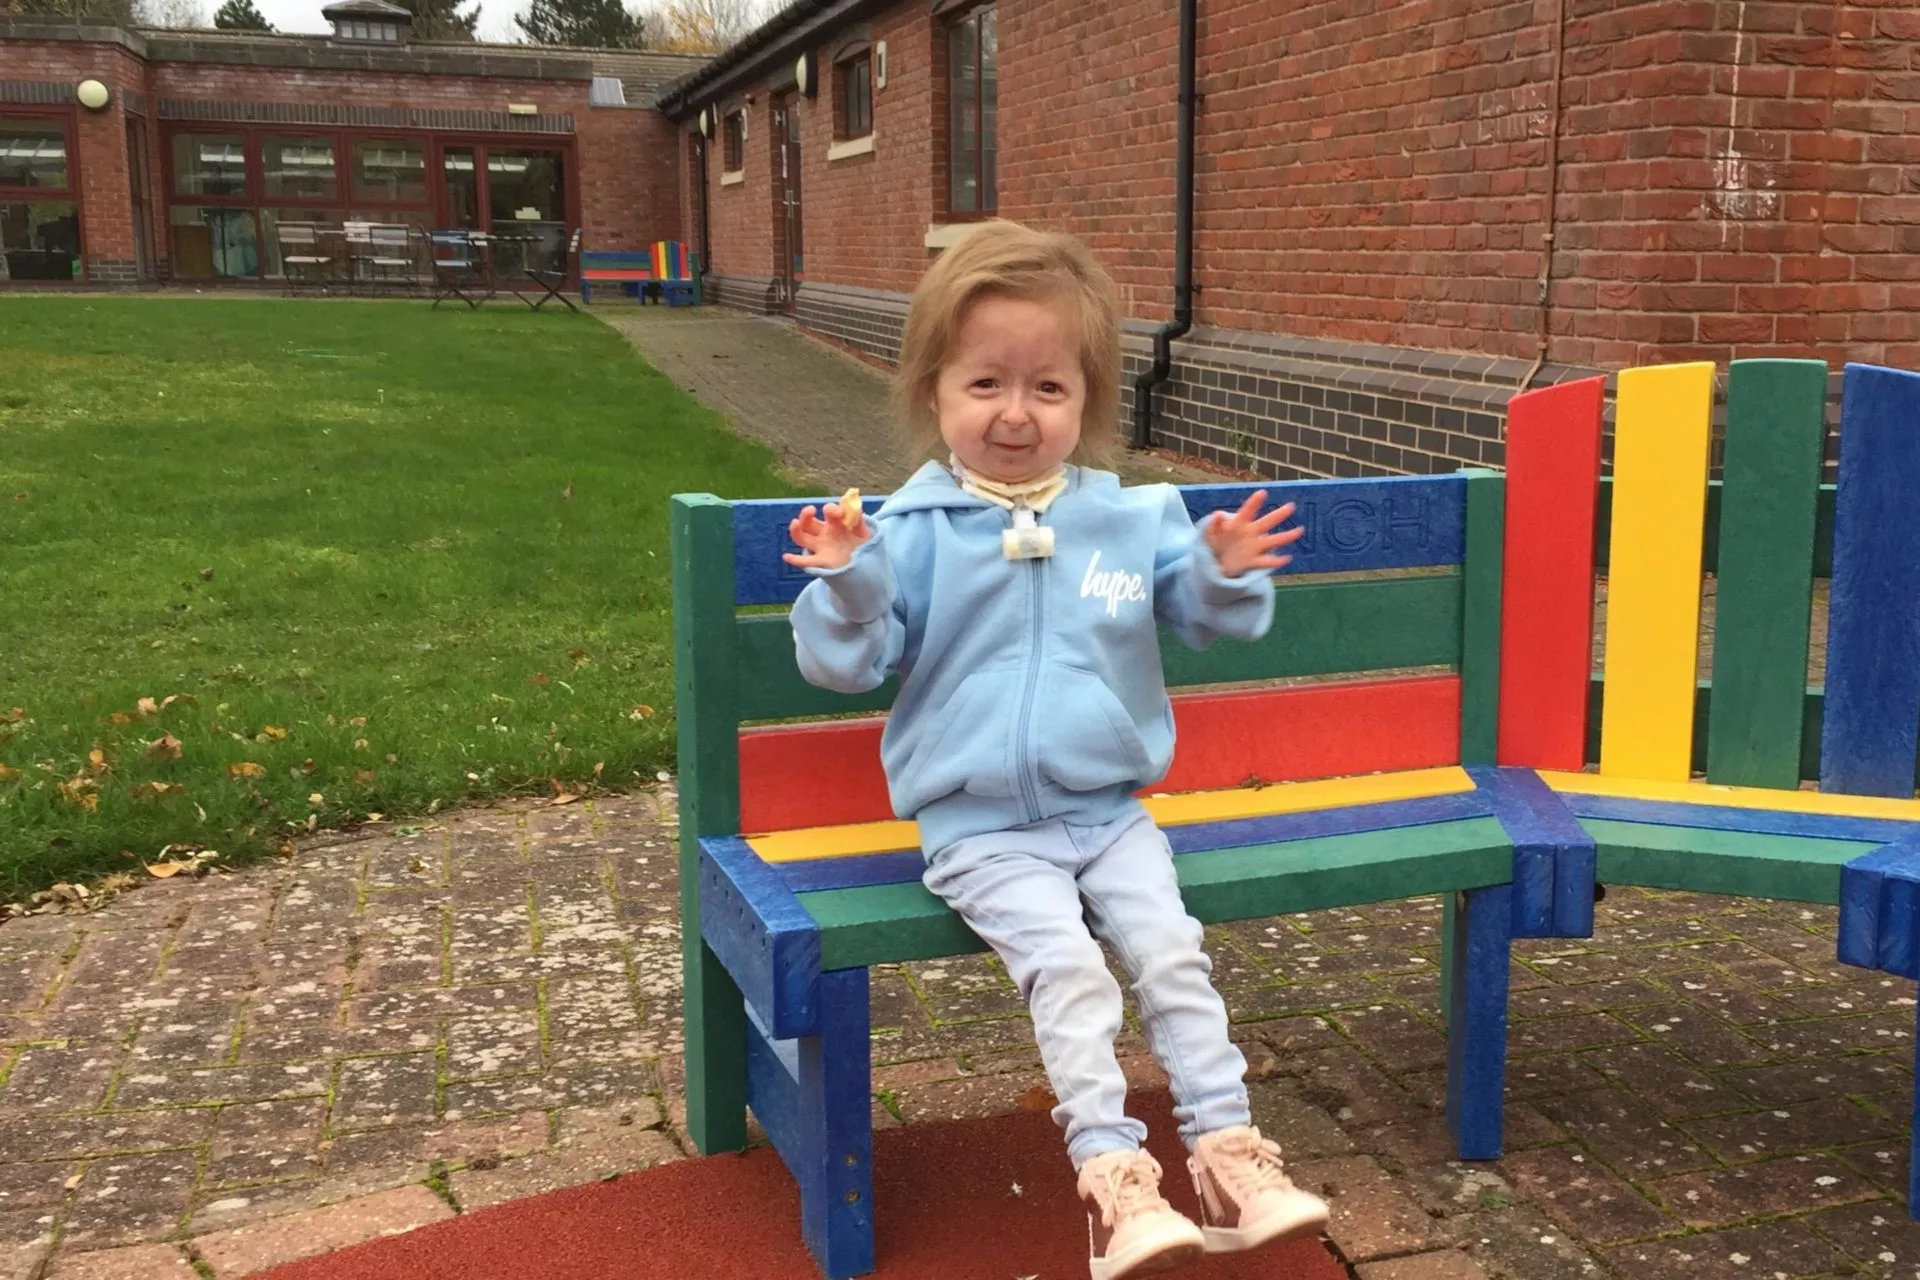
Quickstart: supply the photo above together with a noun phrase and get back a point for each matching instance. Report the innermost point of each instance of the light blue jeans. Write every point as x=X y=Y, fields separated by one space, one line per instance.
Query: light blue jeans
x=1039 y=896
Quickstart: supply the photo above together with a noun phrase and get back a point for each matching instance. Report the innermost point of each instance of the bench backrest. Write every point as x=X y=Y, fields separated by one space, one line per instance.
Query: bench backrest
x=617 y=264
x=1767 y=536
x=1435 y=614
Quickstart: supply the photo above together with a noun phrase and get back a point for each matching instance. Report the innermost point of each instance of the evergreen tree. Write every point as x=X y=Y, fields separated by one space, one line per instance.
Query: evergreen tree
x=440 y=19
x=240 y=15
x=600 y=24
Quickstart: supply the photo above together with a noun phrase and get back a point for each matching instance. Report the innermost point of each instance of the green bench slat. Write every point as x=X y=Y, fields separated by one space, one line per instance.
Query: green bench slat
x=1791 y=868
x=1355 y=627
x=1776 y=430
x=884 y=924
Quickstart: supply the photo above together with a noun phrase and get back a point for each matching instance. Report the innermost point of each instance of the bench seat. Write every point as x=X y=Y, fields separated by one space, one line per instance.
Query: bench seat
x=797 y=917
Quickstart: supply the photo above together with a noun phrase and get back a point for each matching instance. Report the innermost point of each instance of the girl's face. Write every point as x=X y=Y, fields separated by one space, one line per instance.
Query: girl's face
x=1010 y=395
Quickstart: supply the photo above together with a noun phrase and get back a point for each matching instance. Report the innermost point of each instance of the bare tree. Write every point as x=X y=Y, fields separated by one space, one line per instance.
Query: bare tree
x=173 y=13
x=700 y=26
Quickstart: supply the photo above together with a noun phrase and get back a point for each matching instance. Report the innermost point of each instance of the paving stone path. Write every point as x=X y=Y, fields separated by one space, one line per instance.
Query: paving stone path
x=208 y=1078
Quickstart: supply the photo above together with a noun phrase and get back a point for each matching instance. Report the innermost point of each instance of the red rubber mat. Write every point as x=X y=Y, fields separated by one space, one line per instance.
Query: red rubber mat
x=945 y=1203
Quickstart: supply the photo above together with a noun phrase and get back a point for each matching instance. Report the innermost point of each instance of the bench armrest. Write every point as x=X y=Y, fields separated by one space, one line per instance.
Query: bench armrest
x=762 y=935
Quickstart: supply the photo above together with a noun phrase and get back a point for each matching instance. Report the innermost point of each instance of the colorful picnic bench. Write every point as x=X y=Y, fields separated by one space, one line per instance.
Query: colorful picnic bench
x=665 y=271
x=1471 y=782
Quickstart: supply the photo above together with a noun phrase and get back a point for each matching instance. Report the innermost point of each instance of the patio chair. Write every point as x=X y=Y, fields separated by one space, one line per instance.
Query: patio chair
x=552 y=273
x=456 y=266
x=382 y=252
x=303 y=260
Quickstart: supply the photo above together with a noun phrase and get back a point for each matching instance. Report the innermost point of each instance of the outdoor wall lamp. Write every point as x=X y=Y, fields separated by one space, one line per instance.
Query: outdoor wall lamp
x=92 y=94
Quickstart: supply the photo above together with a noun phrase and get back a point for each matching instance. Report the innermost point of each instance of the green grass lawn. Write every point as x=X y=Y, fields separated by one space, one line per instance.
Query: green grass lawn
x=359 y=557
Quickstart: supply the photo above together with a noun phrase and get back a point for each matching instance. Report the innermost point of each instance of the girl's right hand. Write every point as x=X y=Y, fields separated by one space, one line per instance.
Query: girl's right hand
x=826 y=543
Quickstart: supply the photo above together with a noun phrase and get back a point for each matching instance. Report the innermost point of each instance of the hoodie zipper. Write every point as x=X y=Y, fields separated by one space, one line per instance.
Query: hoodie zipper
x=1029 y=786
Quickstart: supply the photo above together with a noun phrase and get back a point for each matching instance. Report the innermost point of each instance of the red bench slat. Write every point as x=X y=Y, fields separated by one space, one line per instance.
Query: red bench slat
x=822 y=775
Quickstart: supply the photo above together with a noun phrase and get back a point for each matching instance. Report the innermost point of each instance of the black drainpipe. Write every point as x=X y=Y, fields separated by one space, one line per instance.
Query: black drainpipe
x=706 y=244
x=1182 y=240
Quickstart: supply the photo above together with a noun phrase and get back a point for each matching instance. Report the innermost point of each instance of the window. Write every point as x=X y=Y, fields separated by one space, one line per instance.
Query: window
x=735 y=151
x=209 y=164
x=855 y=95
x=298 y=168
x=973 y=91
x=389 y=172
x=39 y=209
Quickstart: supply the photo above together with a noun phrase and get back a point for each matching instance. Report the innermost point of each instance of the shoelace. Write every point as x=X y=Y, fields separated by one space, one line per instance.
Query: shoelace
x=1256 y=1162
x=1133 y=1186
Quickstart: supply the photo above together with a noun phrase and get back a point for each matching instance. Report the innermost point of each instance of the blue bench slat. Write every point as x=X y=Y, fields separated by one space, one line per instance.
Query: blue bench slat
x=1553 y=855
x=1759 y=822
x=1870 y=736
x=763 y=936
x=1401 y=522
x=905 y=866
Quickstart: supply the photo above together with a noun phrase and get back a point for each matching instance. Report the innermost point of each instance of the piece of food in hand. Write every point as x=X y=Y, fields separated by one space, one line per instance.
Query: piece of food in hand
x=850 y=510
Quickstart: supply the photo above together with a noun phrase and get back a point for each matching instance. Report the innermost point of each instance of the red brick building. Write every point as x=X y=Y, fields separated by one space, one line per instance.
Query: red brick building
x=172 y=156
x=1400 y=212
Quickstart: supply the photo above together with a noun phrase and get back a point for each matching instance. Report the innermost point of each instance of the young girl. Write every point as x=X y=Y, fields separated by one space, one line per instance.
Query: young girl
x=1017 y=595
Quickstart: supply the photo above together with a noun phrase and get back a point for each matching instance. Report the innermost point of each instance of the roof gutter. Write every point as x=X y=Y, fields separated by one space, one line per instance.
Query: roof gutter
x=1182 y=320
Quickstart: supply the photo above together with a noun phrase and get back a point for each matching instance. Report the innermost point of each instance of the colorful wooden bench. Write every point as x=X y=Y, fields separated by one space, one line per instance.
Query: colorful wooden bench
x=795 y=877
x=665 y=271
x=1699 y=783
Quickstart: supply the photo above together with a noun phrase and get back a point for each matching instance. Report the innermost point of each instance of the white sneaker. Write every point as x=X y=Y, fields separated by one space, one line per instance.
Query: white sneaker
x=1246 y=1198
x=1131 y=1230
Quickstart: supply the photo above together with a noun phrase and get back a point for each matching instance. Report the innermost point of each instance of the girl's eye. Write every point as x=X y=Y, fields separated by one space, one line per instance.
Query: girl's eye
x=984 y=384
x=1051 y=388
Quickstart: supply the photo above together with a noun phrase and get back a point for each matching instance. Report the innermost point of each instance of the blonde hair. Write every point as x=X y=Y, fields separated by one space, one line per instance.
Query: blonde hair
x=1004 y=258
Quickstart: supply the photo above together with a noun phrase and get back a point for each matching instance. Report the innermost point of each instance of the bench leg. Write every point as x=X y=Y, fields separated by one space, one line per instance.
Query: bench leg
x=716 y=1057
x=814 y=1098
x=1913 y=1138
x=1476 y=945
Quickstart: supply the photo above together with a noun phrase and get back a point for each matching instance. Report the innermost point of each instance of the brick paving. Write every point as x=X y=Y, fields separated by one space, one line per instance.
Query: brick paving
x=405 y=1023
x=823 y=412
x=428 y=1023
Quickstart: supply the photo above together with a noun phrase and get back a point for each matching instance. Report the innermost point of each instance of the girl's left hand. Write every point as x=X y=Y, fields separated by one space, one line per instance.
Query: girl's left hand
x=1244 y=540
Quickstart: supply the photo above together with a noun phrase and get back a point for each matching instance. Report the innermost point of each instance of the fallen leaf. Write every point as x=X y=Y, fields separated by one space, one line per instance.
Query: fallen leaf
x=273 y=732
x=358 y=722
x=363 y=777
x=578 y=657
x=74 y=1181
x=565 y=799
x=1038 y=1098
x=361 y=744
x=166 y=747
x=538 y=677
x=641 y=712
x=568 y=491
x=121 y=717
x=97 y=758
x=246 y=769
x=307 y=765
x=149 y=707
x=206 y=575
x=7 y=774
x=14 y=716
x=316 y=798
x=165 y=870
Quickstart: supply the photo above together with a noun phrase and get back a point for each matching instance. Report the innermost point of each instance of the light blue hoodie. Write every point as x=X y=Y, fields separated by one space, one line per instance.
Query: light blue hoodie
x=1029 y=689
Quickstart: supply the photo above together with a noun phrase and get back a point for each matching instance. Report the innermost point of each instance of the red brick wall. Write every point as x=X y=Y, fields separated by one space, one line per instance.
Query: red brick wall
x=1087 y=128
x=627 y=172
x=100 y=137
x=741 y=235
x=629 y=178
x=1741 y=179
x=1734 y=178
